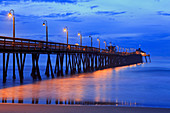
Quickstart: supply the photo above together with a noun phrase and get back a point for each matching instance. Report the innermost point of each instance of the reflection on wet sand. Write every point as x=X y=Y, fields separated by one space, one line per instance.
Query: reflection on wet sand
x=89 y=88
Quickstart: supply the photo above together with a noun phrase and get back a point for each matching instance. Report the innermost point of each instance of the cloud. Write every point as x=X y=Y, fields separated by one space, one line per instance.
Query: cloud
x=95 y=6
x=57 y=1
x=91 y=33
x=53 y=15
x=61 y=1
x=122 y=36
x=7 y=2
x=110 y=12
x=163 y=13
x=128 y=35
x=4 y=13
x=70 y=19
x=164 y=38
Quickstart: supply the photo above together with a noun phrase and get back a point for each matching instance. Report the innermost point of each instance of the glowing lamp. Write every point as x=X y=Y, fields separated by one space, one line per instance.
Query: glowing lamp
x=79 y=34
x=43 y=24
x=65 y=30
x=9 y=15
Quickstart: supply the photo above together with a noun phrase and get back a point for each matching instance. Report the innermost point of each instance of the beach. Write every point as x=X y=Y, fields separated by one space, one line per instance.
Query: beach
x=28 y=108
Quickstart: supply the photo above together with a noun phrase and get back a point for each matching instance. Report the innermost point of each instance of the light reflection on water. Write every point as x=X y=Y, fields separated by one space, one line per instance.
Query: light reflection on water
x=128 y=85
x=91 y=87
x=63 y=88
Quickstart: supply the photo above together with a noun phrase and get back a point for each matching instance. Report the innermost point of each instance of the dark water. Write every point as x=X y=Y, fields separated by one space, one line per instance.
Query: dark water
x=136 y=85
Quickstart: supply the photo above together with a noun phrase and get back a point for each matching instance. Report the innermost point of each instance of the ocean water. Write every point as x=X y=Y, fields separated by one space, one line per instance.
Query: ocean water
x=140 y=85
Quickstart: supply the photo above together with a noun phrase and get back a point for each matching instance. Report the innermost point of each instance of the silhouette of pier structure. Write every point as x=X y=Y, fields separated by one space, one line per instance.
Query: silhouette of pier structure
x=77 y=58
x=139 y=51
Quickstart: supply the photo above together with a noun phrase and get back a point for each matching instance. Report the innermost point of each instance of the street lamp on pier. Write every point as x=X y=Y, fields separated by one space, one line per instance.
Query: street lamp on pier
x=117 y=48
x=11 y=14
x=105 y=44
x=45 y=24
x=122 y=49
x=99 y=42
x=131 y=50
x=110 y=43
x=66 y=30
x=91 y=40
x=79 y=34
x=110 y=46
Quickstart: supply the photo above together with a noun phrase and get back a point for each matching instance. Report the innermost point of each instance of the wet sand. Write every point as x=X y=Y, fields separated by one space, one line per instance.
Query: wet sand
x=26 y=108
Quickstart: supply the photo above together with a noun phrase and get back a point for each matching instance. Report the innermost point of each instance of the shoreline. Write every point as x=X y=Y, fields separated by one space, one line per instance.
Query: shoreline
x=40 y=108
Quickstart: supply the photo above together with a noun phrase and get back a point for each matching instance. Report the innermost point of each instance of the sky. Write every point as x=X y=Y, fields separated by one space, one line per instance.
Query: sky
x=126 y=23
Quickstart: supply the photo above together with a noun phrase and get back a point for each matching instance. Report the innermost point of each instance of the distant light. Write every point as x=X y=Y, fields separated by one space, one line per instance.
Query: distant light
x=142 y=53
x=79 y=34
x=43 y=24
x=104 y=41
x=98 y=39
x=77 y=44
x=9 y=15
x=65 y=30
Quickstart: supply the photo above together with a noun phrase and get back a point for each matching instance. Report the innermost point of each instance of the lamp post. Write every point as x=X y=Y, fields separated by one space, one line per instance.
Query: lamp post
x=110 y=43
x=131 y=50
x=79 y=34
x=45 y=24
x=105 y=44
x=110 y=46
x=66 y=30
x=11 y=14
x=117 y=48
x=99 y=42
x=91 y=41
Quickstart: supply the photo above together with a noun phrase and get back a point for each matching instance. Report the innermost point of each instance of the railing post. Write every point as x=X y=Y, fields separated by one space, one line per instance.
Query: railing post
x=13 y=43
x=21 y=45
x=50 y=46
x=4 y=43
x=28 y=44
x=59 y=47
x=35 y=46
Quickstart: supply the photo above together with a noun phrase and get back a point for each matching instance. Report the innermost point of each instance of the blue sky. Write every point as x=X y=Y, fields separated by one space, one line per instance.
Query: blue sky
x=126 y=23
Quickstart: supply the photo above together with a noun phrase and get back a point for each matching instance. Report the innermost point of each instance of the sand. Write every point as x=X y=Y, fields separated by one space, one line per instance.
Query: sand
x=28 y=108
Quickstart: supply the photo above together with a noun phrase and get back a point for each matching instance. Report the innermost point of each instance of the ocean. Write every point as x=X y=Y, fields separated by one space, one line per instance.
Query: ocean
x=141 y=85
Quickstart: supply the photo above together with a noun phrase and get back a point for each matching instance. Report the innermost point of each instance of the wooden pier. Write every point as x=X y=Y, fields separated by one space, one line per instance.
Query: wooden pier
x=76 y=58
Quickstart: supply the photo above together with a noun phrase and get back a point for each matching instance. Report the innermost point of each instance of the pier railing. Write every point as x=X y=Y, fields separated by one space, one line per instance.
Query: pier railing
x=10 y=43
